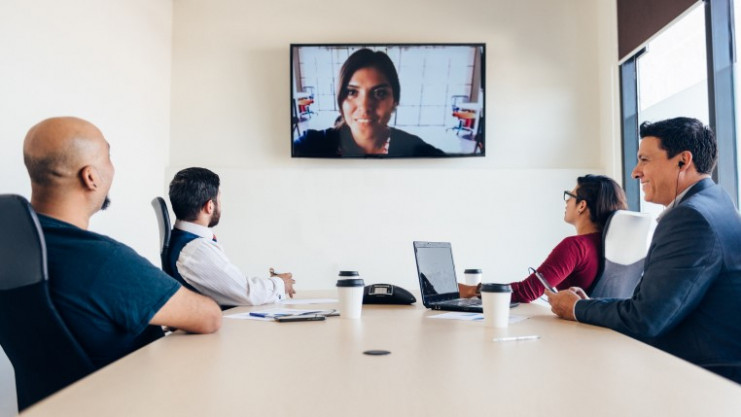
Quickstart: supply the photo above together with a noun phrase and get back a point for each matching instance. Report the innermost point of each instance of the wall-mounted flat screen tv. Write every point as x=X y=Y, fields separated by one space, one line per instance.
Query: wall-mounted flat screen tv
x=387 y=100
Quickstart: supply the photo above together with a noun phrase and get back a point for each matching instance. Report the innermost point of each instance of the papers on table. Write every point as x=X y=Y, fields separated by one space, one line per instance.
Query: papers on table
x=271 y=313
x=459 y=315
x=466 y=316
x=246 y=316
x=293 y=301
x=516 y=318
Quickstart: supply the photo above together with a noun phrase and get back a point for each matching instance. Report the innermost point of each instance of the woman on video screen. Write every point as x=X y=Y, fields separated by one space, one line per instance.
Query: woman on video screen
x=367 y=96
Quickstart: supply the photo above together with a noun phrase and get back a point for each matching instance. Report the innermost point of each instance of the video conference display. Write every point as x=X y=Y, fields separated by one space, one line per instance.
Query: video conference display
x=387 y=101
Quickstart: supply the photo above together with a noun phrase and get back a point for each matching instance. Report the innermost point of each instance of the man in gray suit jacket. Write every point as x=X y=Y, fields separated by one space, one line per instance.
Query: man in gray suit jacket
x=688 y=302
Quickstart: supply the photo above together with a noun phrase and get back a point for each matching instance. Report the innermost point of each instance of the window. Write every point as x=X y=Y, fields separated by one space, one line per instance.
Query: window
x=672 y=77
x=685 y=70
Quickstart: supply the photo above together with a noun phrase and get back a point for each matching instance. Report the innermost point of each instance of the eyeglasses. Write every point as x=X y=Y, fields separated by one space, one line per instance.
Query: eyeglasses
x=567 y=195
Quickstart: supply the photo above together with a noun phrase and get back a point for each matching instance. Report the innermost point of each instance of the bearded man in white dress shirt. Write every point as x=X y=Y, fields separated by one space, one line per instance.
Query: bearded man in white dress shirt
x=197 y=260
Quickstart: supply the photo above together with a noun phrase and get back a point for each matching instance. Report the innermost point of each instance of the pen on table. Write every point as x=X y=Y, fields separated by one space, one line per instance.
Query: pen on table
x=325 y=313
x=263 y=315
x=516 y=338
x=306 y=313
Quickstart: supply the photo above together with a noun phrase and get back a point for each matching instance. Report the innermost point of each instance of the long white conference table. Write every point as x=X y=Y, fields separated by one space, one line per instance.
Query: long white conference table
x=435 y=368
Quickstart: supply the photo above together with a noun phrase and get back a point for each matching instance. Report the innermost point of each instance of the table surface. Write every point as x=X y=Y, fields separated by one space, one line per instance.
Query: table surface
x=436 y=368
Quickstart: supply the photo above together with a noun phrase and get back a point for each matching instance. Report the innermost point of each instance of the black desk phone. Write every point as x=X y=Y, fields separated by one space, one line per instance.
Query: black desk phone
x=387 y=294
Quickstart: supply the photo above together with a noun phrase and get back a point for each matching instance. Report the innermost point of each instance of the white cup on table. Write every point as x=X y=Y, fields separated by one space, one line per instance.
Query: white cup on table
x=350 y=293
x=472 y=276
x=495 y=299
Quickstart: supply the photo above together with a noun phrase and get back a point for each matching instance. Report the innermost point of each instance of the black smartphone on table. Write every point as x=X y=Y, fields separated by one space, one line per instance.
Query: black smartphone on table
x=542 y=279
x=304 y=317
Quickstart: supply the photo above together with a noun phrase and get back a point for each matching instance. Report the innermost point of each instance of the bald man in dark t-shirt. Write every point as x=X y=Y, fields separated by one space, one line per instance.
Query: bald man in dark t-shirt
x=113 y=300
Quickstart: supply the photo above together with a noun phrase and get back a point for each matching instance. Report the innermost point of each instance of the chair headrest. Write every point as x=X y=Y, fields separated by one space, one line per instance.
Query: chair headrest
x=22 y=246
x=163 y=222
x=627 y=236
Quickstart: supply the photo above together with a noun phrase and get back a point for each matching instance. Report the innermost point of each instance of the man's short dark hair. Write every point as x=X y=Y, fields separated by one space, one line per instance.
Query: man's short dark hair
x=685 y=134
x=190 y=190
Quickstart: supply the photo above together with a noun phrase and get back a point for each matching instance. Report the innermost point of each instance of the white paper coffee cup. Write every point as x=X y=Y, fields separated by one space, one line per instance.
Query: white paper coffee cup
x=495 y=300
x=350 y=294
x=472 y=276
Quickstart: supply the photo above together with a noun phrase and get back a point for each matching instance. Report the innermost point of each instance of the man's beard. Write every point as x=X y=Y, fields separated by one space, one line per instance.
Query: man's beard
x=215 y=218
x=106 y=203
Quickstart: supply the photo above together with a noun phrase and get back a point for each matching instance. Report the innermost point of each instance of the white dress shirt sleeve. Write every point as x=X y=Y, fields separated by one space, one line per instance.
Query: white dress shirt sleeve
x=204 y=265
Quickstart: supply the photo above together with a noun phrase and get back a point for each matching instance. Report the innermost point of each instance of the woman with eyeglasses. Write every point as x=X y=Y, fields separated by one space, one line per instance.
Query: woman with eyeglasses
x=575 y=262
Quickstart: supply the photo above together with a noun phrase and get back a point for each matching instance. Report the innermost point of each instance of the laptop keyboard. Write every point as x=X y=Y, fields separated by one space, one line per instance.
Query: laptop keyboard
x=464 y=302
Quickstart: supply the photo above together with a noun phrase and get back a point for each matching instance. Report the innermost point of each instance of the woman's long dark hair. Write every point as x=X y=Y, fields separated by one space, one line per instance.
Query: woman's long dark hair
x=603 y=196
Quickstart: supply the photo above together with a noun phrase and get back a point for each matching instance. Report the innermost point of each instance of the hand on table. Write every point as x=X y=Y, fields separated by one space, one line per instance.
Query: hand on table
x=288 y=281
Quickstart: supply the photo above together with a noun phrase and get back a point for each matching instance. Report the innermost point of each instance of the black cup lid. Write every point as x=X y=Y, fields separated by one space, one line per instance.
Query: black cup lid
x=357 y=282
x=349 y=273
x=492 y=287
x=472 y=271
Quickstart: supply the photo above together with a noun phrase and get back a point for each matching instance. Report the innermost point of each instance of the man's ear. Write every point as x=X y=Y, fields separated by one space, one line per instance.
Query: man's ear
x=208 y=208
x=89 y=178
x=685 y=158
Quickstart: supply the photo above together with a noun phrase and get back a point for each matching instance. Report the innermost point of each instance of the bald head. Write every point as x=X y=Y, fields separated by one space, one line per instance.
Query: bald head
x=68 y=160
x=56 y=149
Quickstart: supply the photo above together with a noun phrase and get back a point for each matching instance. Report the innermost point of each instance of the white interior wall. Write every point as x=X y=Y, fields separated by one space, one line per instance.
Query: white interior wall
x=546 y=93
x=609 y=89
x=108 y=62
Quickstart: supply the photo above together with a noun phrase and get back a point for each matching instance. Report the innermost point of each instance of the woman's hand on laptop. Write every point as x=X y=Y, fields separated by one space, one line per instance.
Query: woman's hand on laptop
x=469 y=291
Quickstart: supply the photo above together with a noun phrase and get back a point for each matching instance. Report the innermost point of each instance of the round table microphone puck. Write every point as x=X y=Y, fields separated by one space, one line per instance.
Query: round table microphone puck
x=376 y=352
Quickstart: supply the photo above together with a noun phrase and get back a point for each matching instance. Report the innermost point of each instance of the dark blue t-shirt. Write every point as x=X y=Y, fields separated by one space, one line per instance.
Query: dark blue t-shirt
x=105 y=292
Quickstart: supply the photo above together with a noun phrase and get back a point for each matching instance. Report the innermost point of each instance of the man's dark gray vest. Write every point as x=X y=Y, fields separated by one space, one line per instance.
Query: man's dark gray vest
x=178 y=240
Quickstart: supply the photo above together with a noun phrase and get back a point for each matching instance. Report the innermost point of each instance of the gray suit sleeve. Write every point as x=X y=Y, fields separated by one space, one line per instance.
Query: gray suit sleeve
x=683 y=260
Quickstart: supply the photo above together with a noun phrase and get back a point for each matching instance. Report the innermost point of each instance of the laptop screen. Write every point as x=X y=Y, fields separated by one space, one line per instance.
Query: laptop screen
x=436 y=270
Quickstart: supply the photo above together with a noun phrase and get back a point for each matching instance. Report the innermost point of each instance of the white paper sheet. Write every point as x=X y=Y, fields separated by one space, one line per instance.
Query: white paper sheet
x=466 y=316
x=246 y=316
x=272 y=313
x=292 y=301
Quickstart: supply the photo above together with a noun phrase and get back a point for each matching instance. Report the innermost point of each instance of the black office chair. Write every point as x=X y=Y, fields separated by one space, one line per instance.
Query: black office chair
x=625 y=241
x=163 y=221
x=45 y=355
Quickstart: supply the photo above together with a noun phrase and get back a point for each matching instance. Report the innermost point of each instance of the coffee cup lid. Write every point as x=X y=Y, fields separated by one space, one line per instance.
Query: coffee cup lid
x=492 y=287
x=349 y=273
x=356 y=282
x=472 y=271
